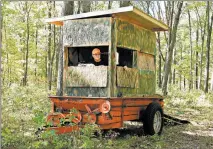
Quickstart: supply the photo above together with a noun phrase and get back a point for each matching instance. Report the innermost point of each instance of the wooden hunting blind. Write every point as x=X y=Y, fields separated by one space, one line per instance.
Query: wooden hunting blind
x=122 y=85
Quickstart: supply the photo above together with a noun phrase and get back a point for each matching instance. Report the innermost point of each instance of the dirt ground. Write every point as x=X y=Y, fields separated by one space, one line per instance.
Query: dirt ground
x=196 y=135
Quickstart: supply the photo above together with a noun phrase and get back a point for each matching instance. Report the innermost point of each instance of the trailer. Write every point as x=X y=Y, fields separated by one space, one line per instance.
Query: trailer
x=109 y=71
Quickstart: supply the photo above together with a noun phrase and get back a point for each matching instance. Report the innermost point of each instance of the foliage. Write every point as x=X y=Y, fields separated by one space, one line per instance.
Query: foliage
x=184 y=98
x=19 y=106
x=24 y=109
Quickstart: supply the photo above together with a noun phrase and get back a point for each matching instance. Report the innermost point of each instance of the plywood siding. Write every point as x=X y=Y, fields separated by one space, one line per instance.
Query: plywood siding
x=87 y=32
x=135 y=37
x=127 y=77
x=146 y=61
x=86 y=76
x=135 y=85
x=147 y=82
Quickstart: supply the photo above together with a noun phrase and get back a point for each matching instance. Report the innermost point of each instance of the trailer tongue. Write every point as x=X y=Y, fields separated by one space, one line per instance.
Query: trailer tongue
x=171 y=121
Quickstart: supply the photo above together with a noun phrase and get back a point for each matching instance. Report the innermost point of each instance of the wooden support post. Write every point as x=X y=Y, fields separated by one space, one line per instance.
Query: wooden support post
x=112 y=61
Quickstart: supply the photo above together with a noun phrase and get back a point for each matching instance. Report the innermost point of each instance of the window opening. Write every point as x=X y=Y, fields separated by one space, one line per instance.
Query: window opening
x=78 y=56
x=125 y=57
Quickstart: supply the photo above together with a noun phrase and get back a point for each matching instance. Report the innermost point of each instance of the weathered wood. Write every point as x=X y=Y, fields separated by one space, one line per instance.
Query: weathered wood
x=65 y=68
x=87 y=32
x=134 y=37
x=127 y=77
x=146 y=61
x=60 y=88
x=87 y=76
x=112 y=60
x=147 y=82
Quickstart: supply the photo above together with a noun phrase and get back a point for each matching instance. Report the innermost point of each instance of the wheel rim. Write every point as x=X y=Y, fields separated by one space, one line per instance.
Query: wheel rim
x=157 y=122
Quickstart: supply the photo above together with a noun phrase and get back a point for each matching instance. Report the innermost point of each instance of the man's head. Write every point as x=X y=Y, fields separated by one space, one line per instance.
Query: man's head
x=96 y=54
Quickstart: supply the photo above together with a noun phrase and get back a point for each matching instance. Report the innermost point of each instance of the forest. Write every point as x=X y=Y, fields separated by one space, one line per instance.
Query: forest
x=30 y=72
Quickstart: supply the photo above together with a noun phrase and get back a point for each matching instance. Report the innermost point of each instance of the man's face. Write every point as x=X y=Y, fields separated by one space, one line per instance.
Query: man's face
x=97 y=57
x=96 y=54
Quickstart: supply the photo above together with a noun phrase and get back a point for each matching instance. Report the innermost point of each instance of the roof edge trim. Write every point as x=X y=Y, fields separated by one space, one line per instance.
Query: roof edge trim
x=89 y=14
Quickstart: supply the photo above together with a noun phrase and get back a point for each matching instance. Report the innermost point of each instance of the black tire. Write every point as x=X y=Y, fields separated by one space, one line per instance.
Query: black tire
x=153 y=110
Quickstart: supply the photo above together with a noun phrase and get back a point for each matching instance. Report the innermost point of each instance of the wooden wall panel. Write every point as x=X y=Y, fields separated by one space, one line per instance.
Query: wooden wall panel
x=146 y=61
x=135 y=37
x=127 y=77
x=87 y=76
x=87 y=32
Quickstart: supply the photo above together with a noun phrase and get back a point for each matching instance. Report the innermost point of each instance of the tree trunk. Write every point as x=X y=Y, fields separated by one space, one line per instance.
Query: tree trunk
x=159 y=62
x=203 y=32
x=8 y=72
x=27 y=46
x=86 y=6
x=170 y=75
x=58 y=47
x=49 y=72
x=169 y=18
x=125 y=3
x=196 y=67
x=174 y=75
x=110 y=4
x=79 y=7
x=190 y=37
x=171 y=47
x=67 y=10
x=148 y=5
x=184 y=82
x=212 y=82
x=209 y=31
x=36 y=44
x=181 y=58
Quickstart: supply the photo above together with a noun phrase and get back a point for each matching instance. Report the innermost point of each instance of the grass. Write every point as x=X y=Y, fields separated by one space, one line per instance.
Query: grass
x=24 y=111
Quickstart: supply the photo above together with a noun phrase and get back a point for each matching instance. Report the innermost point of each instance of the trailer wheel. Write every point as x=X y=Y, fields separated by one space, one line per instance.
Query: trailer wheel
x=153 y=119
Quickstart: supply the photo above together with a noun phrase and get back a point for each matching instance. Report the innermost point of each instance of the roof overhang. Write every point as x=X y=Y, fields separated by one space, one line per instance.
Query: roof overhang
x=129 y=13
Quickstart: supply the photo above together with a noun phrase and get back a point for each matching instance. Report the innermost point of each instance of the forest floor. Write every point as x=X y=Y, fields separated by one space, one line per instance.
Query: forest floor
x=196 y=135
x=25 y=109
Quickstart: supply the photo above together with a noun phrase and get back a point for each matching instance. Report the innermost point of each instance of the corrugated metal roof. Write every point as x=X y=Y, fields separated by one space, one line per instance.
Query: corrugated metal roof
x=130 y=14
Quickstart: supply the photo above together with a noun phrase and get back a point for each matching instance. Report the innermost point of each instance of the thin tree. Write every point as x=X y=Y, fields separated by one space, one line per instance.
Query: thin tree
x=49 y=66
x=172 y=42
x=196 y=66
x=79 y=7
x=203 y=33
x=125 y=3
x=190 y=39
x=209 y=31
x=174 y=70
x=181 y=58
x=36 y=54
x=27 y=9
x=159 y=61
x=110 y=4
x=86 y=5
